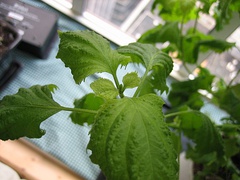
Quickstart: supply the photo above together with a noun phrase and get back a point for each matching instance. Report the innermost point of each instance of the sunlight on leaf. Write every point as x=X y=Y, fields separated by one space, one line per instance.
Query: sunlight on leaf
x=155 y=61
x=86 y=53
x=104 y=88
x=131 y=80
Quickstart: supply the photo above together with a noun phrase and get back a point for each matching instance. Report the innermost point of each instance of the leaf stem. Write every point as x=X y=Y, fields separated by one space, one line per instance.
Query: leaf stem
x=177 y=113
x=116 y=80
x=196 y=22
x=141 y=83
x=61 y=108
x=119 y=86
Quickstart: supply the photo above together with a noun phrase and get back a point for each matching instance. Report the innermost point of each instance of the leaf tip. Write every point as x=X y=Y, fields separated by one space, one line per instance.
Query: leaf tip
x=52 y=87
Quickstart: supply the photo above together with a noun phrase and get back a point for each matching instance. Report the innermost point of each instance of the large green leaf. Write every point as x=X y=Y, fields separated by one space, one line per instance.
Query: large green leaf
x=21 y=114
x=86 y=53
x=130 y=140
x=156 y=61
x=200 y=128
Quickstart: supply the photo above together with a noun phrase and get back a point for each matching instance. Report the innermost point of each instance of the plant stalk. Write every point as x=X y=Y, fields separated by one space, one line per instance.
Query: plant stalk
x=61 y=108
x=177 y=113
x=141 y=84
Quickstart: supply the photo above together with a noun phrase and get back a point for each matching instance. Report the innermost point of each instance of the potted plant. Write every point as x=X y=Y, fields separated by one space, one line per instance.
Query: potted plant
x=130 y=136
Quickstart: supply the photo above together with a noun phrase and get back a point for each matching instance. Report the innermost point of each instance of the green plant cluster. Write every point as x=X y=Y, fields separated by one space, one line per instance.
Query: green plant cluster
x=130 y=136
x=186 y=42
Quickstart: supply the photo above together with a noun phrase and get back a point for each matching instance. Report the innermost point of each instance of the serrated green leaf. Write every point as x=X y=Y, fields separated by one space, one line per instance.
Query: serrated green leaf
x=186 y=92
x=216 y=45
x=162 y=33
x=200 y=128
x=223 y=12
x=189 y=53
x=229 y=100
x=130 y=140
x=231 y=147
x=21 y=114
x=86 y=53
x=131 y=80
x=104 y=88
x=175 y=10
x=90 y=102
x=155 y=61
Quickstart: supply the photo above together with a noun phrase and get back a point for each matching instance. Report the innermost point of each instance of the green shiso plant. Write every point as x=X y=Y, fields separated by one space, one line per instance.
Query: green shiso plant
x=129 y=137
x=185 y=43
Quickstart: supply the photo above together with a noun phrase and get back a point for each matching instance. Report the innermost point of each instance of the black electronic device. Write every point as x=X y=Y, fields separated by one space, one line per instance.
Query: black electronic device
x=39 y=26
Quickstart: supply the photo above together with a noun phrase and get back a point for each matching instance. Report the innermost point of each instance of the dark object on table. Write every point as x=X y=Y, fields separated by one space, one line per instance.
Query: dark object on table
x=39 y=26
x=9 y=38
x=9 y=74
x=101 y=176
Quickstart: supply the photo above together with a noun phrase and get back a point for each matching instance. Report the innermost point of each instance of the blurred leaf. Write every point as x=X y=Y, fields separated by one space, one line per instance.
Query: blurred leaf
x=216 y=45
x=223 y=12
x=201 y=130
x=190 y=45
x=175 y=10
x=231 y=147
x=186 y=92
x=206 y=5
x=229 y=100
x=188 y=52
x=162 y=33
